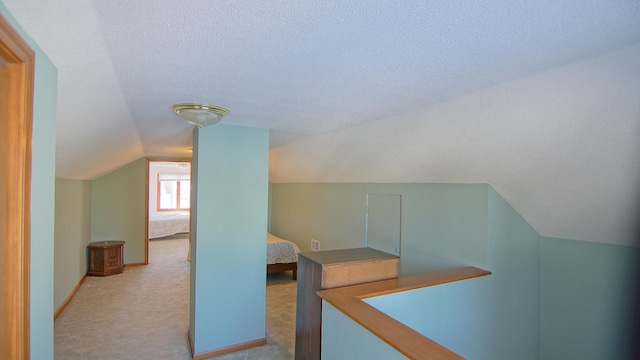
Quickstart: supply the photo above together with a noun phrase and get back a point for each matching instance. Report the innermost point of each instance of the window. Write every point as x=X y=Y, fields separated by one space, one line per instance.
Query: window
x=174 y=192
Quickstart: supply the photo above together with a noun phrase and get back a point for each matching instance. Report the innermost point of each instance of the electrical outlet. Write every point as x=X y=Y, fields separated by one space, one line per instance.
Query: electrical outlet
x=315 y=245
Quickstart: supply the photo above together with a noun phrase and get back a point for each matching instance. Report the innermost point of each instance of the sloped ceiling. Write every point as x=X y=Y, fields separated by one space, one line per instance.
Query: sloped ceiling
x=540 y=99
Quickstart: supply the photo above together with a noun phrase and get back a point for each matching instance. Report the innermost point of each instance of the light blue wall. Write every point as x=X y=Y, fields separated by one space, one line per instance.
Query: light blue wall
x=514 y=248
x=42 y=198
x=547 y=298
x=228 y=261
x=42 y=205
x=589 y=300
x=494 y=317
x=343 y=338
x=72 y=235
x=443 y=225
x=456 y=315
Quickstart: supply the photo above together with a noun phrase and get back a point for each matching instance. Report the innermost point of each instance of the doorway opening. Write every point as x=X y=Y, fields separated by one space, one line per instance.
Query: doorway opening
x=168 y=200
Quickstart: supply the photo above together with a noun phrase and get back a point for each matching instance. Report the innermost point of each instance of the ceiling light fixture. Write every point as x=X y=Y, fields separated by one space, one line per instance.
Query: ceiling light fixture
x=200 y=114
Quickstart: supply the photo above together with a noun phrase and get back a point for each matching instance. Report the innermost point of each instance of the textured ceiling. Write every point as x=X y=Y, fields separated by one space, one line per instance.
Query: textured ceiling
x=540 y=99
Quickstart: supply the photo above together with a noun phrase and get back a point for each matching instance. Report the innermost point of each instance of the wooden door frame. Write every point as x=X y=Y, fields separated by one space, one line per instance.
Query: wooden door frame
x=146 y=216
x=15 y=237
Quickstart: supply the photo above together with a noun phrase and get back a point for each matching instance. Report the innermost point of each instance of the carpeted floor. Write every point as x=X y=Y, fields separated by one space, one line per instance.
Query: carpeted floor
x=143 y=313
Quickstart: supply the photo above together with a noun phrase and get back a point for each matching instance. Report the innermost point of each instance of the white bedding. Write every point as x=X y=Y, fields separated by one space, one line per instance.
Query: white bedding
x=167 y=224
x=280 y=251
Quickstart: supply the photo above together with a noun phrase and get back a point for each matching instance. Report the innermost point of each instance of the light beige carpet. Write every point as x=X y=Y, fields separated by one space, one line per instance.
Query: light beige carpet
x=143 y=313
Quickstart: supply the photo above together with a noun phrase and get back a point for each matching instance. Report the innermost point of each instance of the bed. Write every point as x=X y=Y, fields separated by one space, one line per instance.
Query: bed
x=282 y=255
x=167 y=224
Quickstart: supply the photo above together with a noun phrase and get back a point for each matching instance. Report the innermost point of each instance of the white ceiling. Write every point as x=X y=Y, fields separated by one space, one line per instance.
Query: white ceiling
x=540 y=99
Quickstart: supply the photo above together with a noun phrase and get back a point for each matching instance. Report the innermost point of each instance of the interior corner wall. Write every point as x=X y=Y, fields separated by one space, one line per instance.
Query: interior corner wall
x=229 y=224
x=72 y=235
x=492 y=317
x=443 y=225
x=118 y=209
x=43 y=149
x=514 y=302
x=589 y=300
x=343 y=338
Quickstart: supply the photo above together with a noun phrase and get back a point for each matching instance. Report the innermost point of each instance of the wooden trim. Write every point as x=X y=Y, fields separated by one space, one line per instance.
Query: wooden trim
x=275 y=268
x=66 y=301
x=135 y=264
x=16 y=194
x=399 y=336
x=228 y=349
x=391 y=286
x=146 y=215
x=146 y=205
x=190 y=342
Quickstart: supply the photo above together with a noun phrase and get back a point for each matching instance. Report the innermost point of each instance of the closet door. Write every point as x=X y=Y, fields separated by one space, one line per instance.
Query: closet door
x=384 y=213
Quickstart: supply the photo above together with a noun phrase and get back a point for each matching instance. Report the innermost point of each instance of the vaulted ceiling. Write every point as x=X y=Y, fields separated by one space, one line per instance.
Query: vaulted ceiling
x=540 y=99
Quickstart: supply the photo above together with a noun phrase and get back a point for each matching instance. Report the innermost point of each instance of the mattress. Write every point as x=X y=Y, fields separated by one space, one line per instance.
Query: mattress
x=166 y=224
x=280 y=251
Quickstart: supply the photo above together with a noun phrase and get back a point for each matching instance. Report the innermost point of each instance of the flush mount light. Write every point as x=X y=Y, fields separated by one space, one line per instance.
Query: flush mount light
x=200 y=114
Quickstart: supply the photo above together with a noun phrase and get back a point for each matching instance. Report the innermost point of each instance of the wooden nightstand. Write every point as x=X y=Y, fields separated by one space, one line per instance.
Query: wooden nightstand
x=106 y=258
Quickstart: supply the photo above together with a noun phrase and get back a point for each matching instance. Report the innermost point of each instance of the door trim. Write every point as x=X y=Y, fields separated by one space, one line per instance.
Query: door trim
x=146 y=231
x=15 y=239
